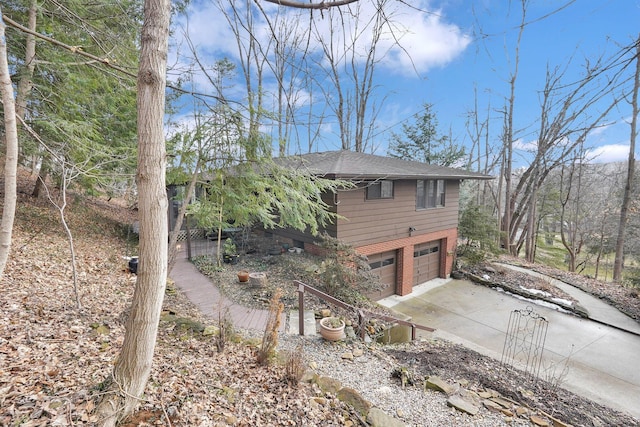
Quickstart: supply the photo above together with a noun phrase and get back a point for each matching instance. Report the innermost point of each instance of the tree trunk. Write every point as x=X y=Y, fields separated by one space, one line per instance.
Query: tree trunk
x=42 y=177
x=133 y=365
x=624 y=209
x=173 y=236
x=11 y=154
x=25 y=82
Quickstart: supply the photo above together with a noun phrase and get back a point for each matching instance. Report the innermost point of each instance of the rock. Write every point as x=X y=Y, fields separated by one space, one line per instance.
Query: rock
x=485 y=394
x=538 y=421
x=358 y=352
x=507 y=412
x=320 y=400
x=378 y=418
x=493 y=392
x=347 y=356
x=309 y=377
x=521 y=410
x=313 y=404
x=355 y=400
x=325 y=312
x=559 y=423
x=462 y=405
x=328 y=385
x=436 y=383
x=490 y=269
x=502 y=402
x=491 y=405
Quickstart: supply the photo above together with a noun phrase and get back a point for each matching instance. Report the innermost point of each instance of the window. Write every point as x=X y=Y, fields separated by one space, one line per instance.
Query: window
x=425 y=251
x=429 y=193
x=380 y=264
x=380 y=190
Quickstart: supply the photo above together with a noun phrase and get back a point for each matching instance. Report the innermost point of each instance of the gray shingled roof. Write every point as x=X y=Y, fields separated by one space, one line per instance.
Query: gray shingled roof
x=352 y=165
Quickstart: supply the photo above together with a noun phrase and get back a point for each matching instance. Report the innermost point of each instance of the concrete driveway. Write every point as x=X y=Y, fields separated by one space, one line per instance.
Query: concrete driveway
x=602 y=360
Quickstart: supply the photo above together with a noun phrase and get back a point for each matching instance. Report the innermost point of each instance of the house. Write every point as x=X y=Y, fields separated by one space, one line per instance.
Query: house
x=403 y=215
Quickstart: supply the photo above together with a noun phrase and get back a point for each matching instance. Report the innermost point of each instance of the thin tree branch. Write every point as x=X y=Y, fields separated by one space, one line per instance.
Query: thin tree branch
x=317 y=6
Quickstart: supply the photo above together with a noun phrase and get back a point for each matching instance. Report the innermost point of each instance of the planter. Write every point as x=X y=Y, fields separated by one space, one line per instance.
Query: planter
x=258 y=279
x=243 y=276
x=332 y=328
x=230 y=259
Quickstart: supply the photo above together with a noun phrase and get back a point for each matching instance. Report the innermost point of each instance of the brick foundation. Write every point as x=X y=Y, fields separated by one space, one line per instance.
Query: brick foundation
x=404 y=255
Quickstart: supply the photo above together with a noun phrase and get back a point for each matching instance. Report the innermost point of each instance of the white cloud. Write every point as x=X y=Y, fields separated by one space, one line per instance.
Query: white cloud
x=608 y=153
x=529 y=146
x=429 y=41
x=426 y=39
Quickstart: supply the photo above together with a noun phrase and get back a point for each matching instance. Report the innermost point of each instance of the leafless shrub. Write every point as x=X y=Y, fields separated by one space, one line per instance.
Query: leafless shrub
x=266 y=352
x=406 y=376
x=225 y=329
x=295 y=365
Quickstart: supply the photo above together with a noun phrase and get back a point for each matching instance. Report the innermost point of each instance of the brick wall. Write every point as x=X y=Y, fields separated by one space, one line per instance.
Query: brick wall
x=404 y=255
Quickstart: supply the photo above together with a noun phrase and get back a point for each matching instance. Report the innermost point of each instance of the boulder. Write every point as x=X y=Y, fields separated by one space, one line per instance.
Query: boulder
x=378 y=418
x=328 y=385
x=462 y=405
x=438 y=384
x=355 y=400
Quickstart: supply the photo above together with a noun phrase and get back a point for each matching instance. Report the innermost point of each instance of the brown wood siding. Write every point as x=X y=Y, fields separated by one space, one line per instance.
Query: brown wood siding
x=372 y=221
x=306 y=236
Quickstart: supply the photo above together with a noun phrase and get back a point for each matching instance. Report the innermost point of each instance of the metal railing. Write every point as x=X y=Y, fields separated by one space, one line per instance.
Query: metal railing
x=362 y=314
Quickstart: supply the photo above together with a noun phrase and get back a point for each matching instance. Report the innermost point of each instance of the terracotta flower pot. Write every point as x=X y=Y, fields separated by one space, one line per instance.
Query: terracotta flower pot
x=243 y=276
x=332 y=328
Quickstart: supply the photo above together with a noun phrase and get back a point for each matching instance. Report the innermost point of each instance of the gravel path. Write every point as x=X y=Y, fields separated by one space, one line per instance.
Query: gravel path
x=371 y=375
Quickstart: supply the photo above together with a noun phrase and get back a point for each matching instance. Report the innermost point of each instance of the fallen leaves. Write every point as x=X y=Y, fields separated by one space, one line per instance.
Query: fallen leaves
x=54 y=358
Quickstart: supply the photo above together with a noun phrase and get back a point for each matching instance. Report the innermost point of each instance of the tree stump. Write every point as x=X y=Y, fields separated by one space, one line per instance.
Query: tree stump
x=258 y=279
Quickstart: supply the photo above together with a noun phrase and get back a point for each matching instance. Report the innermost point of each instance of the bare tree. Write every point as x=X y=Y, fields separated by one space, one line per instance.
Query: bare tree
x=11 y=154
x=350 y=57
x=565 y=123
x=133 y=366
x=624 y=209
x=508 y=136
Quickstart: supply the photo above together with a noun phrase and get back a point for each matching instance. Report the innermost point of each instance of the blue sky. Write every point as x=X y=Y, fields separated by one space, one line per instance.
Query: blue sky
x=459 y=50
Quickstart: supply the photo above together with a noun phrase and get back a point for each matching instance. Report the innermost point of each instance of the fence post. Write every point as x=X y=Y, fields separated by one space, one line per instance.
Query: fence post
x=300 y=308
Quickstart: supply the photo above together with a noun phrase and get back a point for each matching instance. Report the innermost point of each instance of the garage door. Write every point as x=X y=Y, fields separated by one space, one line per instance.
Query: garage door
x=384 y=265
x=426 y=262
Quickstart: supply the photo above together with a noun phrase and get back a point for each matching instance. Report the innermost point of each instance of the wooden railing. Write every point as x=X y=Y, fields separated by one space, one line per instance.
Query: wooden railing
x=362 y=314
